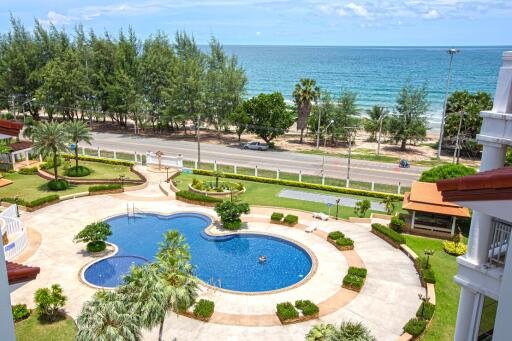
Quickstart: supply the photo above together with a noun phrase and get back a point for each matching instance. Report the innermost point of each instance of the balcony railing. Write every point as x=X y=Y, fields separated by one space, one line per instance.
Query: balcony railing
x=499 y=242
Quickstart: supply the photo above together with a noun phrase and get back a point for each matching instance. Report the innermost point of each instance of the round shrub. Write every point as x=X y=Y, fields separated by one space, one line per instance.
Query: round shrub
x=96 y=246
x=78 y=171
x=20 y=312
x=397 y=224
x=58 y=185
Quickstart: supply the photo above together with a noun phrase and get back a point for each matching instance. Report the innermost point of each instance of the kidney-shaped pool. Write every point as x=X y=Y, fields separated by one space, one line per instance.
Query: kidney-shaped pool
x=231 y=262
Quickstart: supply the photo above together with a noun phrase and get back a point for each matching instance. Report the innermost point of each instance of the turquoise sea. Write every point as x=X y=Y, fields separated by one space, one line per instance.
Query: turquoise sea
x=376 y=73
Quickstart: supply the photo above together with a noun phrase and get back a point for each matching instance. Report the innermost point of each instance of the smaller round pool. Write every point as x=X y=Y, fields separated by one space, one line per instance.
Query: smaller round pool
x=107 y=272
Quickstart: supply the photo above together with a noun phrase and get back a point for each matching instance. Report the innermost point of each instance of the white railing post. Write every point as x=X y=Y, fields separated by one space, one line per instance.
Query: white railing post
x=399 y=187
x=135 y=156
x=373 y=186
x=98 y=152
x=323 y=179
x=234 y=169
x=195 y=164
x=83 y=150
x=277 y=174
x=115 y=155
x=300 y=175
x=256 y=170
x=215 y=165
x=347 y=183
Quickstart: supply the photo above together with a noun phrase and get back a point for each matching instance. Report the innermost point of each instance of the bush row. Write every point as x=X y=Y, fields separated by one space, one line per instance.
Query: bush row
x=33 y=203
x=276 y=216
x=99 y=188
x=417 y=325
x=425 y=270
x=28 y=171
x=352 y=191
x=197 y=197
x=354 y=279
x=291 y=219
x=394 y=236
x=287 y=311
x=100 y=159
x=307 y=307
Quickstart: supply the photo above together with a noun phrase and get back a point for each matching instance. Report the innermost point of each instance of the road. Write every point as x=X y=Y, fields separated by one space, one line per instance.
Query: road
x=334 y=167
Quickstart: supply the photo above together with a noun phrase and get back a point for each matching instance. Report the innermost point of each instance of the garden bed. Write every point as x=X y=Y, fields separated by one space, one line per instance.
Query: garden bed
x=288 y=313
x=223 y=194
x=339 y=247
x=354 y=279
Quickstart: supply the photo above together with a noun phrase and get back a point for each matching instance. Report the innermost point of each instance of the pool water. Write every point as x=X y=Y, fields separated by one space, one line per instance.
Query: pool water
x=231 y=262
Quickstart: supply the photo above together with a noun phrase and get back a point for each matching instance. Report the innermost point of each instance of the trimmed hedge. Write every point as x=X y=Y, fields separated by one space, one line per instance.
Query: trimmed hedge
x=109 y=187
x=415 y=327
x=426 y=272
x=426 y=311
x=58 y=185
x=276 y=216
x=76 y=172
x=291 y=219
x=100 y=159
x=344 y=242
x=33 y=203
x=359 y=272
x=335 y=235
x=307 y=307
x=344 y=190
x=394 y=236
x=28 y=171
x=353 y=281
x=197 y=197
x=204 y=308
x=286 y=311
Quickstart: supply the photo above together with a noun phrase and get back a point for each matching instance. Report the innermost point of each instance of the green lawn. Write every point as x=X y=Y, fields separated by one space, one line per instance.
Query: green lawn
x=447 y=291
x=31 y=187
x=99 y=170
x=32 y=329
x=266 y=194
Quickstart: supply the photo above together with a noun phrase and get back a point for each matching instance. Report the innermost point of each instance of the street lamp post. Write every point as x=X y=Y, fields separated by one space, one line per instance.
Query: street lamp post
x=325 y=132
x=451 y=52
x=456 y=152
x=349 y=129
x=198 y=142
x=318 y=129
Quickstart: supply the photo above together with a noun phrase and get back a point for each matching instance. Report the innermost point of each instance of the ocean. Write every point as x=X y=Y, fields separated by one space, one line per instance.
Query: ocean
x=376 y=74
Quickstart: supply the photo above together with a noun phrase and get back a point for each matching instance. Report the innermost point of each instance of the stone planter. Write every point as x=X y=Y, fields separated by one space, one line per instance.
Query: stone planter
x=216 y=194
x=195 y=317
x=386 y=238
x=110 y=191
x=353 y=288
x=299 y=319
x=197 y=202
x=280 y=222
x=341 y=248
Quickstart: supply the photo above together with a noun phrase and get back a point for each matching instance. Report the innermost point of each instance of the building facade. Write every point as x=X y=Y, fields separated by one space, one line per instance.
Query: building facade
x=485 y=271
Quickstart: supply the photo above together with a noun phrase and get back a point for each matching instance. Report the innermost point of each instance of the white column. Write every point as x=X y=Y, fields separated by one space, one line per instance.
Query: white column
x=215 y=165
x=399 y=187
x=195 y=164
x=373 y=186
x=300 y=176
x=454 y=222
x=6 y=322
x=504 y=313
x=323 y=179
x=98 y=152
x=465 y=314
x=256 y=170
x=234 y=169
x=277 y=174
x=115 y=155
x=134 y=156
x=347 y=183
x=13 y=160
x=83 y=150
x=27 y=161
x=413 y=219
x=40 y=158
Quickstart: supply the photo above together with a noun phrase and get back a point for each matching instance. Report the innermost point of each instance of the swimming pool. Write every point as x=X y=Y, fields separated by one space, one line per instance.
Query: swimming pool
x=230 y=262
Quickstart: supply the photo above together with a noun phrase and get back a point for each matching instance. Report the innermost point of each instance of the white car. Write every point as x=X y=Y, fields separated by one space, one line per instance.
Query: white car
x=255 y=145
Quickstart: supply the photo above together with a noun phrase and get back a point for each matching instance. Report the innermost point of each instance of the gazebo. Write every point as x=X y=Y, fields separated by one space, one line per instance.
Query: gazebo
x=430 y=214
x=18 y=154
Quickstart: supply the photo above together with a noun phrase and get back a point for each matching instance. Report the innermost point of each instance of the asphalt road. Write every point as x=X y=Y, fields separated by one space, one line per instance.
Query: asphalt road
x=360 y=170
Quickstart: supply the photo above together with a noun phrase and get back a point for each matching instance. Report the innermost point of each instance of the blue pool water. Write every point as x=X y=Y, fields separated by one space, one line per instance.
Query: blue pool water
x=231 y=262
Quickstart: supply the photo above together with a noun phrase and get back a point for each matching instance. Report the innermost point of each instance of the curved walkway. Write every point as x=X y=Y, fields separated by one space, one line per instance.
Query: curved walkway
x=388 y=299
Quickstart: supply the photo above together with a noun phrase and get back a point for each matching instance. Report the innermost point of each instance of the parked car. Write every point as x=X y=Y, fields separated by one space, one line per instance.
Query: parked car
x=255 y=145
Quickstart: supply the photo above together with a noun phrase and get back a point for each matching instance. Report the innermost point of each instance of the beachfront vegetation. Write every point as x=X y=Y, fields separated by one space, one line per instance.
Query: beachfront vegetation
x=268 y=115
x=466 y=106
x=446 y=172
x=409 y=122
x=305 y=94
x=94 y=235
x=371 y=124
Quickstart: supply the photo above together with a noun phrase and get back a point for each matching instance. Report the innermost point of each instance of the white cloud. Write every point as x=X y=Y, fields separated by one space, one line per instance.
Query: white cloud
x=57 y=19
x=258 y=34
x=431 y=14
x=358 y=10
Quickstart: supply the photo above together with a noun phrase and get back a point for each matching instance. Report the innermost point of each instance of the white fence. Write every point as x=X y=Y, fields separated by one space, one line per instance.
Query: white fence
x=16 y=233
x=164 y=160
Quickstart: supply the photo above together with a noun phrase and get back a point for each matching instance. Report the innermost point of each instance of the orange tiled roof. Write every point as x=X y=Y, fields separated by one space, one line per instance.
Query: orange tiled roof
x=425 y=197
x=495 y=184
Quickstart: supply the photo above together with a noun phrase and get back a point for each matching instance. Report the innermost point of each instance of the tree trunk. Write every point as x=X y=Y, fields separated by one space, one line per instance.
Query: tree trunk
x=161 y=330
x=76 y=155
x=55 y=166
x=403 y=145
x=301 y=135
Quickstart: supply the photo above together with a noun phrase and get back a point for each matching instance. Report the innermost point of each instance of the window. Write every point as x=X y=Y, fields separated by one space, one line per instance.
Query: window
x=485 y=330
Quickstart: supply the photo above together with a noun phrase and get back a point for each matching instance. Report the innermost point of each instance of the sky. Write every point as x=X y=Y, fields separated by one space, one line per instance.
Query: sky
x=285 y=22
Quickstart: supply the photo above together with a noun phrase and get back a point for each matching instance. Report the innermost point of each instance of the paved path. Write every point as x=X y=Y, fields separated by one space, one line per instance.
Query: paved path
x=327 y=199
x=388 y=299
x=361 y=170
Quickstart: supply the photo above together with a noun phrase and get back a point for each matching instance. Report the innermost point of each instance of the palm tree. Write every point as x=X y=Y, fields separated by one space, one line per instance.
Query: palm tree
x=29 y=125
x=49 y=139
x=173 y=266
x=304 y=94
x=389 y=204
x=372 y=123
x=148 y=296
x=78 y=131
x=107 y=318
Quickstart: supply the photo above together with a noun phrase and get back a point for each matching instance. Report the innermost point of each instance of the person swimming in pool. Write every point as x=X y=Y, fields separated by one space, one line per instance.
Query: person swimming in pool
x=263 y=259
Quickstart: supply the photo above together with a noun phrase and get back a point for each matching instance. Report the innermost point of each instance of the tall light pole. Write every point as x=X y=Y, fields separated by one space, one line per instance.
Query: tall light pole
x=381 y=118
x=451 y=52
x=198 y=142
x=456 y=152
x=325 y=132
x=349 y=129
x=318 y=129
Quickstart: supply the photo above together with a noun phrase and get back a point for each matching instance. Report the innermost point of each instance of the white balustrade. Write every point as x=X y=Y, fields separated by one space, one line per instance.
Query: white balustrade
x=16 y=233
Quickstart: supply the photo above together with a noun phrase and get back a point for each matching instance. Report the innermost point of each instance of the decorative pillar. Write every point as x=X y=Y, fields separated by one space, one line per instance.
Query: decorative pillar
x=347 y=183
x=13 y=160
x=373 y=186
x=323 y=179
x=466 y=315
x=115 y=155
x=215 y=165
x=399 y=187
x=454 y=222
x=413 y=219
x=99 y=152
x=27 y=161
x=83 y=150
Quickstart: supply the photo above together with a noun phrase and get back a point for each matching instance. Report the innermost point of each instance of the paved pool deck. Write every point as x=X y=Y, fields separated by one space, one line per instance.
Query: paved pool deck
x=388 y=300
